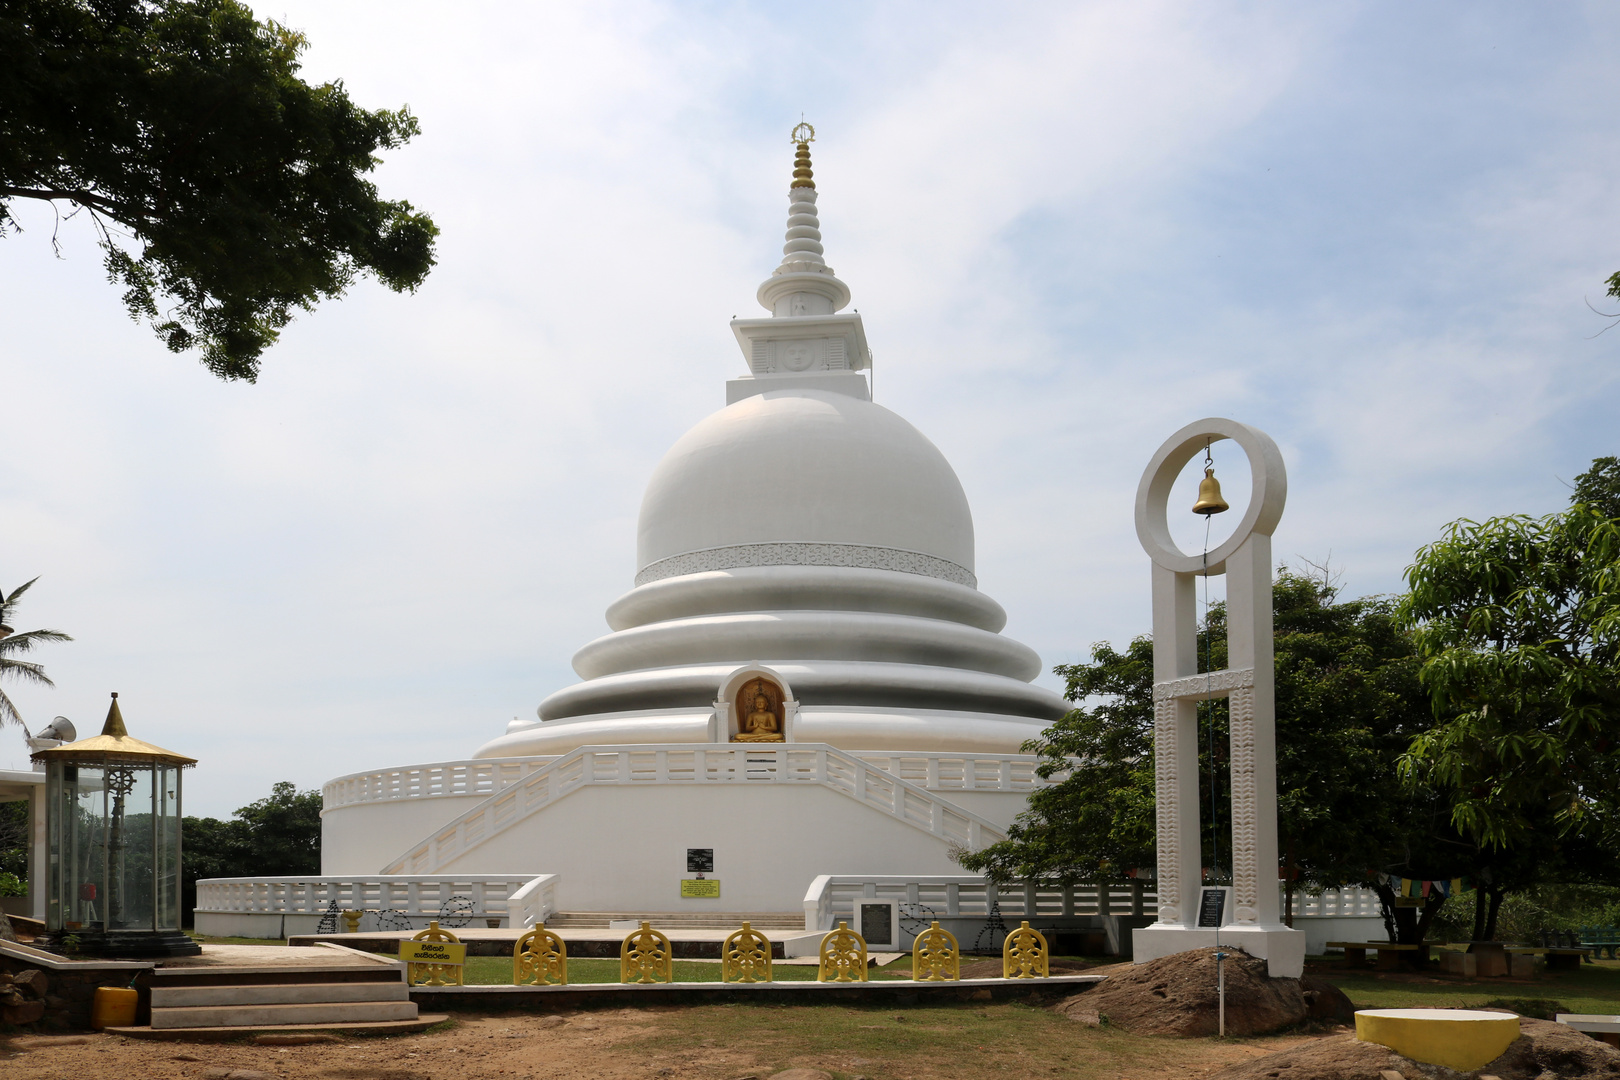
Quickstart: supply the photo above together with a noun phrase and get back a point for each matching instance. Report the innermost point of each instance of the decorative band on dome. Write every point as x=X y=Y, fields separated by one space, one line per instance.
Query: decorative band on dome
x=798 y=554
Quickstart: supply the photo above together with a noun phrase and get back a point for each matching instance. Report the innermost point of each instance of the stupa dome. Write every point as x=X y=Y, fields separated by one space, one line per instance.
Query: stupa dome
x=805 y=536
x=805 y=477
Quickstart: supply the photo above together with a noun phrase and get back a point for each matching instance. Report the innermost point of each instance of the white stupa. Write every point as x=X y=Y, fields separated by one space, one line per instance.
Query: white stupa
x=805 y=610
x=804 y=528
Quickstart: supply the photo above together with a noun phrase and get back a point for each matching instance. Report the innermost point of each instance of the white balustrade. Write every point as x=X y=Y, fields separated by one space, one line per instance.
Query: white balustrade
x=444 y=778
x=785 y=763
x=933 y=772
x=518 y=899
x=833 y=896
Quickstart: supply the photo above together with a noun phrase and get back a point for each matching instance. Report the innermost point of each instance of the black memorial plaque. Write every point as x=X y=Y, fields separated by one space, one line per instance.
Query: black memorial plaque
x=700 y=860
x=1211 y=904
x=877 y=924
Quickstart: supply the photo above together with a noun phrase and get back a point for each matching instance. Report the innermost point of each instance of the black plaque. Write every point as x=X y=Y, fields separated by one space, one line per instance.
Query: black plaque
x=877 y=926
x=1211 y=903
x=700 y=860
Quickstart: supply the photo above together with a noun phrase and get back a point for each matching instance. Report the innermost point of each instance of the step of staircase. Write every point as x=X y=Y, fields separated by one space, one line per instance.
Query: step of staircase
x=284 y=998
x=678 y=920
x=283 y=1014
x=176 y=997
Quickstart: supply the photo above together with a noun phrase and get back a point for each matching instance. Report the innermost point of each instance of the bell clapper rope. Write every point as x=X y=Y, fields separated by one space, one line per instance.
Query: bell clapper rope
x=1209 y=504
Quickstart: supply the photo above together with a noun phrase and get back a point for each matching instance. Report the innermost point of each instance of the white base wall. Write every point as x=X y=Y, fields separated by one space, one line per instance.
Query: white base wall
x=1321 y=929
x=623 y=848
x=267 y=925
x=361 y=838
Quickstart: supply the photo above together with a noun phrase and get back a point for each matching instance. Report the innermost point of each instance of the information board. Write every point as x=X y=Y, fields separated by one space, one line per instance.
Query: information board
x=700 y=888
x=700 y=860
x=1211 y=904
x=433 y=952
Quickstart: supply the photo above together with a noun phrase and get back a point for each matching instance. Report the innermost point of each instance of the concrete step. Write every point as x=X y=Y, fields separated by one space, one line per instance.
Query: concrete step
x=242 y=1016
x=380 y=972
x=170 y=997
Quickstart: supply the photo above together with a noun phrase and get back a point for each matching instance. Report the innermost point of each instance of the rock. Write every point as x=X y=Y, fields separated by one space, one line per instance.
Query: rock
x=1175 y=995
x=1542 y=1051
x=546 y=1023
x=27 y=1013
x=34 y=981
x=186 y=1057
x=303 y=1038
x=249 y=1074
x=215 y=1072
x=8 y=996
x=1326 y=1003
x=802 y=1074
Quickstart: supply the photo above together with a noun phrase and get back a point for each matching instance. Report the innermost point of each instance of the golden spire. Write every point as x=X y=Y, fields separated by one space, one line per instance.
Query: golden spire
x=803 y=136
x=115 y=721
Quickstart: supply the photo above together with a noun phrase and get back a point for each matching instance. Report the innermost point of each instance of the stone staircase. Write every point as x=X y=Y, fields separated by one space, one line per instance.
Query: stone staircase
x=678 y=920
x=224 y=1002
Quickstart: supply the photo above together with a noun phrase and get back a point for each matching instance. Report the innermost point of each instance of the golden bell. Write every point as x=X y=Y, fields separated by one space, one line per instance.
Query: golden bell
x=1209 y=496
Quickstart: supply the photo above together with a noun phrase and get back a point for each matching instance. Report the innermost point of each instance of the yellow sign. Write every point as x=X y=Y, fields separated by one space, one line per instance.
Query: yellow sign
x=433 y=952
x=700 y=888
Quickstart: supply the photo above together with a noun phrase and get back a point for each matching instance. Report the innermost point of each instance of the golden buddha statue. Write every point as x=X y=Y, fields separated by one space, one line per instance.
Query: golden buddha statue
x=760 y=725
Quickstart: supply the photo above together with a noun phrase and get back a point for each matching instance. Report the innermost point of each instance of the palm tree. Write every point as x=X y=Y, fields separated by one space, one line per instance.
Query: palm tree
x=13 y=643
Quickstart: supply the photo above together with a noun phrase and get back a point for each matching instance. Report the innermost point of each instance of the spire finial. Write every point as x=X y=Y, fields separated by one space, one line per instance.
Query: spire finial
x=115 y=721
x=803 y=136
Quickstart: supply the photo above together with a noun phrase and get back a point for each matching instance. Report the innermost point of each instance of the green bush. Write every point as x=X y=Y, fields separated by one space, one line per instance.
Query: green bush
x=12 y=885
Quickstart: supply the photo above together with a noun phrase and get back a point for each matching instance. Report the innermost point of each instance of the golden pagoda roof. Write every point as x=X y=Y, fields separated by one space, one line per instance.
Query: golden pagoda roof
x=113 y=744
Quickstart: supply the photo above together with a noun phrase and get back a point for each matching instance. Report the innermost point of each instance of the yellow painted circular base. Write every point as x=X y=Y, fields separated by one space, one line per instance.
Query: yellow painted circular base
x=1461 y=1039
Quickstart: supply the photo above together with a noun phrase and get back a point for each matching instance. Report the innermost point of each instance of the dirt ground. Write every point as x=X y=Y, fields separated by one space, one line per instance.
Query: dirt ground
x=706 y=1041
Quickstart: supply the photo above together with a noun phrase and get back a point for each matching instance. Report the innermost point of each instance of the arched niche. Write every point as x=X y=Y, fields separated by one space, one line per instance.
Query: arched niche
x=731 y=712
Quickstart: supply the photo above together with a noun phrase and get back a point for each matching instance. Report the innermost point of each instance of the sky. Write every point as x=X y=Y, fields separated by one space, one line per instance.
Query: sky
x=1370 y=229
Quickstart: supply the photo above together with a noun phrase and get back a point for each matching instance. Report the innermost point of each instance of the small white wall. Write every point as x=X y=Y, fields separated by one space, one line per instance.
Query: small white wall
x=623 y=847
x=1321 y=929
x=248 y=924
x=362 y=838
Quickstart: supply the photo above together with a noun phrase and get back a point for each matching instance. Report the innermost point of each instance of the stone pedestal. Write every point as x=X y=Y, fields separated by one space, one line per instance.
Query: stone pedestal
x=1281 y=948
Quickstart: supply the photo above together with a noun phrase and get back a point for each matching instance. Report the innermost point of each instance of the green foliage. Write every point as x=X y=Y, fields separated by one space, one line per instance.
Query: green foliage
x=1098 y=822
x=12 y=885
x=278 y=835
x=1517 y=624
x=12 y=644
x=184 y=124
x=1348 y=701
x=1599 y=487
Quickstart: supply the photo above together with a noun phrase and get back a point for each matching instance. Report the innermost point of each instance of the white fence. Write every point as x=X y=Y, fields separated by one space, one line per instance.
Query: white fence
x=934 y=772
x=784 y=763
x=833 y=896
x=1337 y=903
x=297 y=904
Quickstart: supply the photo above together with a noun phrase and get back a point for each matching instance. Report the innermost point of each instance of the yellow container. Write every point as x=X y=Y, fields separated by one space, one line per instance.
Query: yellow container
x=1461 y=1039
x=114 y=1007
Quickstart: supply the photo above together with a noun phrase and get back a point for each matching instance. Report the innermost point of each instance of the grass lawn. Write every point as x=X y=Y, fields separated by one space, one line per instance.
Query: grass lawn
x=1595 y=988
